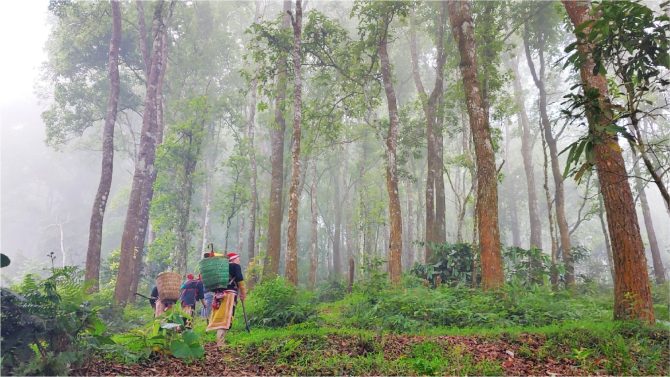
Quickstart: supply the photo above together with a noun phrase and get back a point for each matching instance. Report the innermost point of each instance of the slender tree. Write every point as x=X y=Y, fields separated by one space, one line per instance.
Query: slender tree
x=462 y=27
x=313 y=245
x=100 y=203
x=148 y=189
x=527 y=156
x=271 y=265
x=430 y=108
x=251 y=124
x=134 y=230
x=657 y=262
x=395 y=212
x=294 y=190
x=632 y=294
x=539 y=79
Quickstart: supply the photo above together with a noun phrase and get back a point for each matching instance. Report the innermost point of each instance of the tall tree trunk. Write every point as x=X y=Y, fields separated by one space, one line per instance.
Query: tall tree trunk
x=98 y=213
x=294 y=193
x=395 y=213
x=527 y=155
x=134 y=230
x=148 y=190
x=632 y=294
x=271 y=265
x=313 y=250
x=251 y=124
x=409 y=252
x=182 y=232
x=462 y=28
x=240 y=233
x=641 y=146
x=253 y=206
x=143 y=38
x=552 y=232
x=429 y=104
x=440 y=199
x=511 y=192
x=563 y=230
x=337 y=230
x=659 y=271
x=207 y=206
x=606 y=237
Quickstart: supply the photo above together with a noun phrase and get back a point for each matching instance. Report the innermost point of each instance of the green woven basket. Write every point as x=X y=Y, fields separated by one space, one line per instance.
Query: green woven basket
x=214 y=272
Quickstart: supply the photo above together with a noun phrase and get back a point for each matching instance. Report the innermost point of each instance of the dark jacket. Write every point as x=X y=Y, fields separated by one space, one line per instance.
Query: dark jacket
x=191 y=291
x=235 y=271
x=154 y=296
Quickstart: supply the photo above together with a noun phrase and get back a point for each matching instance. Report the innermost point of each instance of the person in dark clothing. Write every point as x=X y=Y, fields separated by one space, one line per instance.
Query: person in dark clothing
x=191 y=291
x=153 y=297
x=223 y=307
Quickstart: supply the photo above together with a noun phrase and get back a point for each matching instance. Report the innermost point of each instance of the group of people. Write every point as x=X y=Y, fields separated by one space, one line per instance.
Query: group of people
x=218 y=305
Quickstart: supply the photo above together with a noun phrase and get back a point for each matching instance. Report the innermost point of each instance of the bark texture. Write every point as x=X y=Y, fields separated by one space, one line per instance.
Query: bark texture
x=527 y=155
x=313 y=251
x=271 y=265
x=251 y=125
x=294 y=190
x=148 y=190
x=460 y=17
x=395 y=213
x=563 y=230
x=632 y=294
x=100 y=204
x=657 y=262
x=134 y=229
x=434 y=211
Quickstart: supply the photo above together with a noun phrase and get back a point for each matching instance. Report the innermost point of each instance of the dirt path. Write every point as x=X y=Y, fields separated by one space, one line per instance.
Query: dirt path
x=521 y=356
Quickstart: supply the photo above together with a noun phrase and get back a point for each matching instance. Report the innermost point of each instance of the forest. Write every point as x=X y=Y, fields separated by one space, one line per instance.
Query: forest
x=409 y=187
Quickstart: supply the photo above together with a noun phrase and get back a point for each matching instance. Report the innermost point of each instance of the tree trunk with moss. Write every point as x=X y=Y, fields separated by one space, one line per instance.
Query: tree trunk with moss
x=462 y=27
x=632 y=293
x=98 y=213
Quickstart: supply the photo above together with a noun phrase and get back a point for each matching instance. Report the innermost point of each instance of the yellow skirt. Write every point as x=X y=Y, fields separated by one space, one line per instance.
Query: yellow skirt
x=222 y=318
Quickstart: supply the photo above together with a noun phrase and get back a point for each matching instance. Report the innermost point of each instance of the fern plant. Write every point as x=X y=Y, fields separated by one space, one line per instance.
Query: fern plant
x=47 y=326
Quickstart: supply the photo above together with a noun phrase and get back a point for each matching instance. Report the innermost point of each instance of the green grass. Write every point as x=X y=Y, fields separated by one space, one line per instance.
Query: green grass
x=352 y=335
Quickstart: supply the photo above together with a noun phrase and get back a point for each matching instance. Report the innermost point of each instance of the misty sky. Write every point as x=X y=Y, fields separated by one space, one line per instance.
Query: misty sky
x=23 y=32
x=27 y=165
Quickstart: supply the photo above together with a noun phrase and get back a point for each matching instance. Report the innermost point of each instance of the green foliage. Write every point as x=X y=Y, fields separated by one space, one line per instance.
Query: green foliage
x=422 y=308
x=48 y=324
x=625 y=348
x=165 y=334
x=526 y=266
x=276 y=303
x=331 y=290
x=373 y=279
x=452 y=264
x=77 y=69
x=427 y=358
x=631 y=41
x=176 y=161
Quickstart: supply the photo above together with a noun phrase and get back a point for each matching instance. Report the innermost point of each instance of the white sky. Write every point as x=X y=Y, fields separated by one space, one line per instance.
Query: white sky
x=23 y=33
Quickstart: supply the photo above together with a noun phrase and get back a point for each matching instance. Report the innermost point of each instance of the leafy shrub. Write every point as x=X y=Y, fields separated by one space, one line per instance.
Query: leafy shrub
x=276 y=303
x=527 y=266
x=372 y=278
x=332 y=290
x=451 y=264
x=419 y=308
x=161 y=335
x=628 y=348
x=49 y=324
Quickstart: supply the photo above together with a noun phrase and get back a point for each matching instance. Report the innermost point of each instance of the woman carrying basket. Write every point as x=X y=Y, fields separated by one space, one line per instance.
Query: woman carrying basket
x=225 y=300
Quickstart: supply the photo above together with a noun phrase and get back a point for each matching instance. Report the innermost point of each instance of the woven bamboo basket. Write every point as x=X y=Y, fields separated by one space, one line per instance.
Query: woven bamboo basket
x=168 y=284
x=214 y=272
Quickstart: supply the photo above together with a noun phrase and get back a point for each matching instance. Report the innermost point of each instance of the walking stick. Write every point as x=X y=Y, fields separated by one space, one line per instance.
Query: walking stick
x=246 y=322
